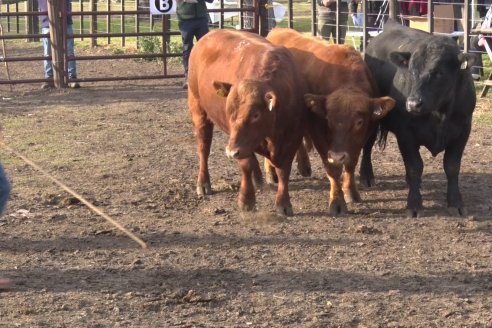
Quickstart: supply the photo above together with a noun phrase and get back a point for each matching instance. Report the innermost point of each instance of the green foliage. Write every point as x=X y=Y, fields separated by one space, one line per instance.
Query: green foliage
x=149 y=45
x=175 y=47
x=483 y=118
x=118 y=51
x=153 y=45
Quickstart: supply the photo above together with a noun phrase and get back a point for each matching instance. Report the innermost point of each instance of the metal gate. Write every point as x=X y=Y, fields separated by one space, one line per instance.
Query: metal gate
x=132 y=20
x=118 y=21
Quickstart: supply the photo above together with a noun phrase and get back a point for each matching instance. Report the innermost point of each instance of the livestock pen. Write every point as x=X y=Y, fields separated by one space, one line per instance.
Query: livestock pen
x=128 y=147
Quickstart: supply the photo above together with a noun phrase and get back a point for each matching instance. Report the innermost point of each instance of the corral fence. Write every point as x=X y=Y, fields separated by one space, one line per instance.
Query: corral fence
x=135 y=34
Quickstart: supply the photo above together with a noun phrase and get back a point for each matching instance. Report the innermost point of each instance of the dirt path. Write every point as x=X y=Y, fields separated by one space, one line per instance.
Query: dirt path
x=130 y=149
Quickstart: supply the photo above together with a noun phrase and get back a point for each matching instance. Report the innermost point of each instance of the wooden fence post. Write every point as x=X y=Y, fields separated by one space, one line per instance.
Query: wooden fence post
x=56 y=37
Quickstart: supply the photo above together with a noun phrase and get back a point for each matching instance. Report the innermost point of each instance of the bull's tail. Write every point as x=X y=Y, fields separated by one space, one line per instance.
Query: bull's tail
x=382 y=136
x=308 y=143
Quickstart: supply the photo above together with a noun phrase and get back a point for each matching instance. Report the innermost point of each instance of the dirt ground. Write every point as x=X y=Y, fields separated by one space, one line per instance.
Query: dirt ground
x=129 y=149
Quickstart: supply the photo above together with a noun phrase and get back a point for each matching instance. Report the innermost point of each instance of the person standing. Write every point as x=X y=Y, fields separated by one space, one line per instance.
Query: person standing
x=327 y=19
x=45 y=29
x=192 y=23
x=4 y=196
x=4 y=189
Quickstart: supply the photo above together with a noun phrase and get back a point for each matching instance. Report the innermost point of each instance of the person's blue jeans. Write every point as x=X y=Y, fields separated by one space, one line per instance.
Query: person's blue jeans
x=189 y=30
x=4 y=190
x=48 y=67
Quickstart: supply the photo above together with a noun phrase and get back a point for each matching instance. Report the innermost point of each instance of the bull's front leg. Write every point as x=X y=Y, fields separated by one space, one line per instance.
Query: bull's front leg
x=283 y=205
x=247 y=199
x=350 y=192
x=452 y=166
x=204 y=133
x=336 y=201
x=414 y=168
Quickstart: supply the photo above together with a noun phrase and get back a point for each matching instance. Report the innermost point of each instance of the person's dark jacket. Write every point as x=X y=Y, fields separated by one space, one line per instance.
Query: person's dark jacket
x=187 y=10
x=332 y=7
x=43 y=6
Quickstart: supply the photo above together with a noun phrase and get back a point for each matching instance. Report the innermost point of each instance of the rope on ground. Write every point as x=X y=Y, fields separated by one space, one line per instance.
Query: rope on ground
x=76 y=195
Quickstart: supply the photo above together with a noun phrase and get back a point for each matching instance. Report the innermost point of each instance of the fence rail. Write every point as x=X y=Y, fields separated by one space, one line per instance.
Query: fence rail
x=129 y=23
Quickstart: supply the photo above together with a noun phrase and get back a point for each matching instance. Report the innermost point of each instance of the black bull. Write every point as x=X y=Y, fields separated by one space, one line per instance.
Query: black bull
x=428 y=76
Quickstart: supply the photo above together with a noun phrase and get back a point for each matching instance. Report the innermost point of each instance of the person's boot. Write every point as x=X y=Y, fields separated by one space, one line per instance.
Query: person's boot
x=48 y=85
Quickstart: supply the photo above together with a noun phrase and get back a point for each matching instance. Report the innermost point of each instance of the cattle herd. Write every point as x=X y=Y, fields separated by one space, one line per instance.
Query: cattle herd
x=269 y=94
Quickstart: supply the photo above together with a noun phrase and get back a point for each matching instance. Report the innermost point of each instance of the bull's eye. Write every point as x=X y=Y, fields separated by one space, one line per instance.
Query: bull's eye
x=358 y=124
x=255 y=117
x=436 y=73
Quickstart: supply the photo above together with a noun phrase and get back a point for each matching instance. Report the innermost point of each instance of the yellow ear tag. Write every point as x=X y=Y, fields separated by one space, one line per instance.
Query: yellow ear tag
x=270 y=105
x=464 y=65
x=311 y=103
x=220 y=93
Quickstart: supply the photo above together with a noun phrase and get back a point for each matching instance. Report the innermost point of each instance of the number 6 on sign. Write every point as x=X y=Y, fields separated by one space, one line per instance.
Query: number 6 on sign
x=162 y=7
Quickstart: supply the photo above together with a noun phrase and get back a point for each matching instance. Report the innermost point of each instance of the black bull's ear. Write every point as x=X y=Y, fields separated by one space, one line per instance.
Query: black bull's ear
x=400 y=59
x=466 y=60
x=381 y=107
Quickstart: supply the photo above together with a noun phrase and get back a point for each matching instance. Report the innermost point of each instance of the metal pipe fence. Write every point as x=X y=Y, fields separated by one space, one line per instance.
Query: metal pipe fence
x=123 y=23
x=129 y=24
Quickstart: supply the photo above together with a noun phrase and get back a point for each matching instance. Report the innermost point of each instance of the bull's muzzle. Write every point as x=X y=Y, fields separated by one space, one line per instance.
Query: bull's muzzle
x=338 y=158
x=414 y=104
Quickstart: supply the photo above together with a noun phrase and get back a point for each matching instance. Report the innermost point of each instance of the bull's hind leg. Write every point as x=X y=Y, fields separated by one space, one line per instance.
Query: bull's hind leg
x=302 y=159
x=247 y=198
x=366 y=172
x=204 y=133
x=257 y=175
x=303 y=166
x=270 y=174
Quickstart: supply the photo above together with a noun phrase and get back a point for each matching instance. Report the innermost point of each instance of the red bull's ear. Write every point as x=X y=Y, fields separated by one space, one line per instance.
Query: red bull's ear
x=222 y=88
x=316 y=103
x=382 y=106
x=271 y=100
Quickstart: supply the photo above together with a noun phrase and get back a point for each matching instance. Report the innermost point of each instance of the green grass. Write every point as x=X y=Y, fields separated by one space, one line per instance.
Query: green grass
x=483 y=118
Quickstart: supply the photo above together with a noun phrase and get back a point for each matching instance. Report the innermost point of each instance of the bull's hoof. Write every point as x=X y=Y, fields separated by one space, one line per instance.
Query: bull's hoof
x=271 y=177
x=258 y=183
x=367 y=182
x=304 y=170
x=284 y=210
x=414 y=213
x=243 y=207
x=337 y=208
x=457 y=211
x=352 y=197
x=205 y=189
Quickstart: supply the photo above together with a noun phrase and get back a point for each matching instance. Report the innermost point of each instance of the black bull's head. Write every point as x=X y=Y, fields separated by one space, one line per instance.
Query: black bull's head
x=430 y=75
